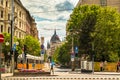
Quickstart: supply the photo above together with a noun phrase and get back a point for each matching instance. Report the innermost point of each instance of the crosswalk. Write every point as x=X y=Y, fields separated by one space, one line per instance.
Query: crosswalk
x=62 y=78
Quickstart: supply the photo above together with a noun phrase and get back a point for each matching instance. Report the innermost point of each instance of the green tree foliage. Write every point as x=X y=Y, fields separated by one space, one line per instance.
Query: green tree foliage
x=6 y=47
x=62 y=54
x=95 y=25
x=107 y=33
x=33 y=45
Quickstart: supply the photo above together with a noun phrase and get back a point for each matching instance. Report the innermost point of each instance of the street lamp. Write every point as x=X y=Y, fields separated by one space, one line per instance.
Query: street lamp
x=93 y=57
x=7 y=43
x=73 y=52
x=12 y=33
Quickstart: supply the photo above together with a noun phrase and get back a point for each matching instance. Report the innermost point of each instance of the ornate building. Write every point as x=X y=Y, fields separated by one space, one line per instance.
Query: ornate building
x=24 y=23
x=54 y=43
x=112 y=3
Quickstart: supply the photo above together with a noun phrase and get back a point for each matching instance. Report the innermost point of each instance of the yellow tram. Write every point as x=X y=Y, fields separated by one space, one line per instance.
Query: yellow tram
x=31 y=62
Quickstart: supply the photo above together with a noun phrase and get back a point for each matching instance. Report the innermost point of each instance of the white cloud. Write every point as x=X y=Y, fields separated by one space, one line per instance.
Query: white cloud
x=47 y=15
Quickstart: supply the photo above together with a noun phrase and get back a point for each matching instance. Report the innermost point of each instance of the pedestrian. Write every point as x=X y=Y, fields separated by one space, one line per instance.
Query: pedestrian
x=118 y=67
x=52 y=67
x=105 y=65
x=101 y=66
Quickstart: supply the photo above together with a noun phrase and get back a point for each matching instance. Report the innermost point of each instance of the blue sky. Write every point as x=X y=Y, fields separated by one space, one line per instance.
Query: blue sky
x=50 y=15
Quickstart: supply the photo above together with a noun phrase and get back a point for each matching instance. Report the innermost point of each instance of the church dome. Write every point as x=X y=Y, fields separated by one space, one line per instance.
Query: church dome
x=55 y=38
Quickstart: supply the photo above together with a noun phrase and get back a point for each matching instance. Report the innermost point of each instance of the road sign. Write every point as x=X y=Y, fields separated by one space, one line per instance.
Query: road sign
x=14 y=47
x=72 y=56
x=42 y=51
x=42 y=46
x=76 y=49
x=72 y=59
x=1 y=38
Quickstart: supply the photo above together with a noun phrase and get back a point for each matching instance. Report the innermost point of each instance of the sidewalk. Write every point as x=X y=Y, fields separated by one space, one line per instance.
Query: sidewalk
x=6 y=74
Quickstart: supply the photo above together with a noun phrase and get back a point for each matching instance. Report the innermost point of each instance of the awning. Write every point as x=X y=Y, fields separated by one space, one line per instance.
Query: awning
x=28 y=56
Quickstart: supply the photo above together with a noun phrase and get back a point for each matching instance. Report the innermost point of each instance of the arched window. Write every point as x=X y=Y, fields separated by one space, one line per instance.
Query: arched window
x=9 y=29
x=103 y=2
x=1 y=28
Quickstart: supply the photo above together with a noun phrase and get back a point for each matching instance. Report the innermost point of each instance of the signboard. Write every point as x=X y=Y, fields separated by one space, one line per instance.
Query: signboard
x=72 y=56
x=42 y=40
x=14 y=47
x=42 y=46
x=76 y=49
x=72 y=59
x=42 y=51
x=1 y=38
x=42 y=56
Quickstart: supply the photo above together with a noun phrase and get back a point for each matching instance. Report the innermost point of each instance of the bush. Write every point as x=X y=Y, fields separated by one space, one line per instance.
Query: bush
x=110 y=66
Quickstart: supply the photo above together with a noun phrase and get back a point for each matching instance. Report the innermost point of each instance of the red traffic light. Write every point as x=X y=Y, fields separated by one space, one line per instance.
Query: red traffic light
x=1 y=38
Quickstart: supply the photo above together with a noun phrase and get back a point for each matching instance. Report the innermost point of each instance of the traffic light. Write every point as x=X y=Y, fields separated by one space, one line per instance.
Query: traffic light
x=76 y=54
x=25 y=50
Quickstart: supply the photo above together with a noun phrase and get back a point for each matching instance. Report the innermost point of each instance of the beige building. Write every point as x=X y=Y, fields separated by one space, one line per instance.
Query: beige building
x=24 y=23
x=54 y=43
x=112 y=3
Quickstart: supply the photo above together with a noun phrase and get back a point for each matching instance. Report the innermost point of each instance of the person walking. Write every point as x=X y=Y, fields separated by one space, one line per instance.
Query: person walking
x=101 y=66
x=52 y=67
x=118 y=67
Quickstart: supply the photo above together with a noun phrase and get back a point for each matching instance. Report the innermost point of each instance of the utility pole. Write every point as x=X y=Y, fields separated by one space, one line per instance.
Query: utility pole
x=73 y=55
x=12 y=34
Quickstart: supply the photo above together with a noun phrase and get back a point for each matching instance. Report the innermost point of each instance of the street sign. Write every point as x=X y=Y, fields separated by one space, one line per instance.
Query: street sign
x=72 y=56
x=1 y=38
x=42 y=51
x=76 y=49
x=14 y=47
x=72 y=59
x=42 y=46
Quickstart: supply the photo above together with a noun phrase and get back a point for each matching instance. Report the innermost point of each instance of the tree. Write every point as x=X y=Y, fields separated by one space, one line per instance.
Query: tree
x=62 y=54
x=6 y=47
x=33 y=45
x=107 y=35
x=97 y=29
x=82 y=21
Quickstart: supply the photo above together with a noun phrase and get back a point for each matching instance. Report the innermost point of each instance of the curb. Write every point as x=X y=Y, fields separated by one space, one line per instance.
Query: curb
x=39 y=78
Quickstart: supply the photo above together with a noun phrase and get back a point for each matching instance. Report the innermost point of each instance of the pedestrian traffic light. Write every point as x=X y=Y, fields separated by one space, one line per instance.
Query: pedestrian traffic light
x=25 y=47
x=76 y=54
x=25 y=50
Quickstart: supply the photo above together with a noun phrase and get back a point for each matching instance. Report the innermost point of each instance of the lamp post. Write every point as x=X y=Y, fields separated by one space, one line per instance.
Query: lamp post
x=12 y=34
x=73 y=60
x=73 y=56
x=93 y=57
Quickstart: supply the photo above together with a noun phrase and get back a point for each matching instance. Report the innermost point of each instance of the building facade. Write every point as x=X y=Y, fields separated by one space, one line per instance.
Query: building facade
x=24 y=23
x=112 y=3
x=54 y=43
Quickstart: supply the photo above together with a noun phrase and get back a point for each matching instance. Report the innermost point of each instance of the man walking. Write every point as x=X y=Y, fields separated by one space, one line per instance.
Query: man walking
x=52 y=67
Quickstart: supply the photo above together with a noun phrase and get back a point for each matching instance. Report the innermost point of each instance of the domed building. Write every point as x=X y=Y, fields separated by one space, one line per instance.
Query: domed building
x=55 y=38
x=54 y=43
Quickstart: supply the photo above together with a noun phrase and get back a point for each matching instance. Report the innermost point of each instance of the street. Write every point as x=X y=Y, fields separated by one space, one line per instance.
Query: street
x=67 y=74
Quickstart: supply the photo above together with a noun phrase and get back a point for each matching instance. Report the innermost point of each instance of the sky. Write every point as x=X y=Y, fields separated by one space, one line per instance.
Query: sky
x=50 y=15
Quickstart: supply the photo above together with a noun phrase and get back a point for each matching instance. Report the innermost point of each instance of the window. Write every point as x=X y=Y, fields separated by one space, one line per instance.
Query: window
x=1 y=28
x=8 y=16
x=19 y=34
x=9 y=29
x=6 y=3
x=1 y=14
x=20 y=13
x=19 y=24
x=103 y=2
x=1 y=2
